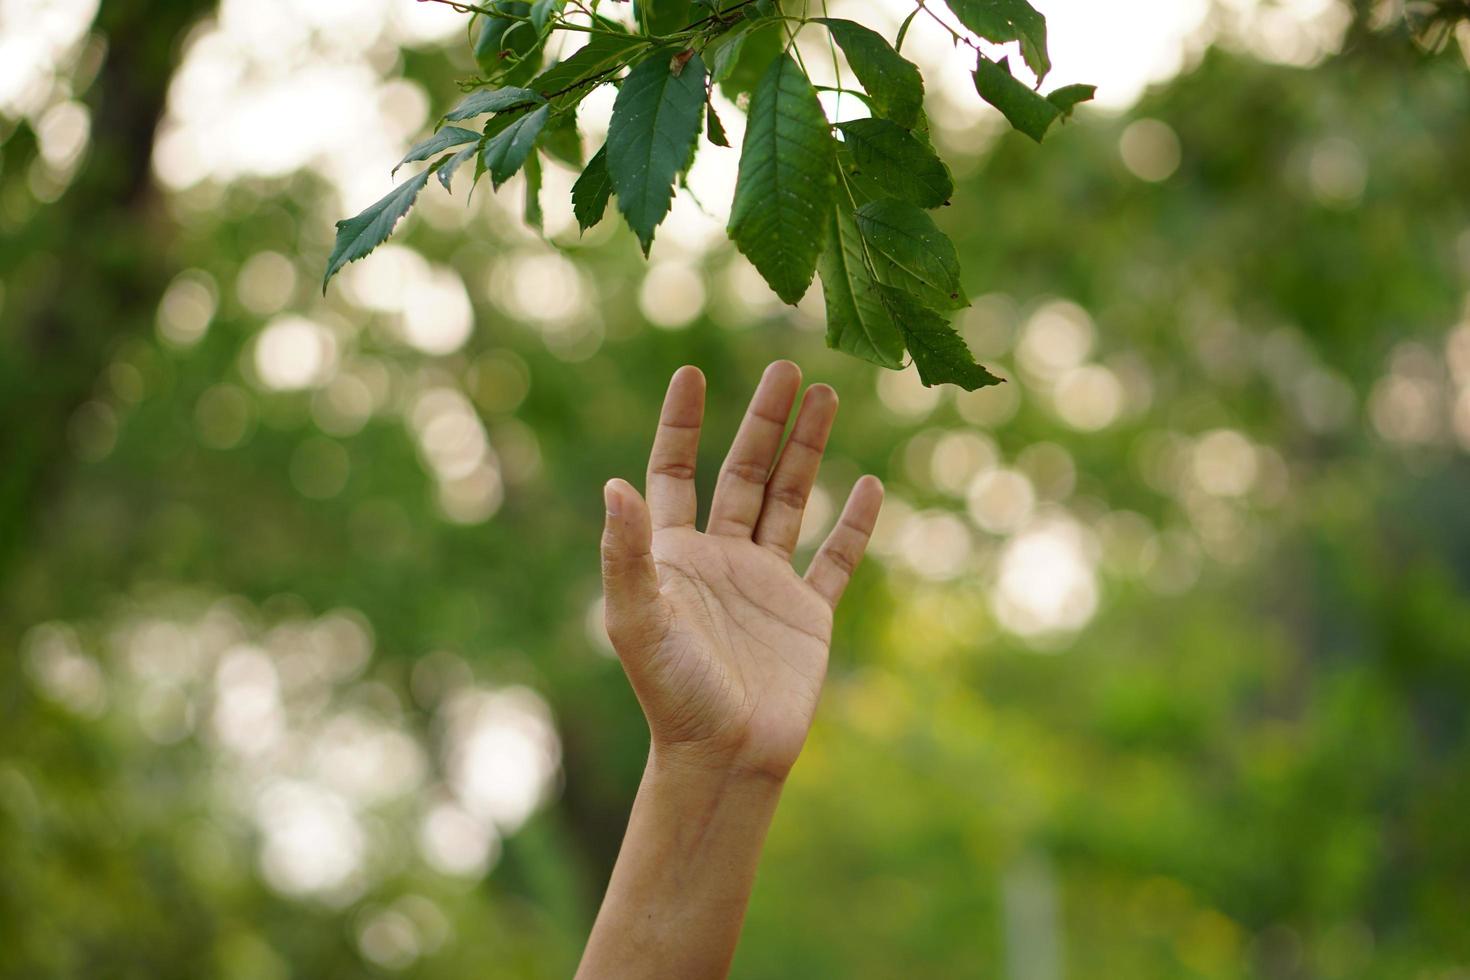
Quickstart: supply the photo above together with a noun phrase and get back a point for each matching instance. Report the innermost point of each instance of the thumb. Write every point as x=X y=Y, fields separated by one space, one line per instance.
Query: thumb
x=633 y=607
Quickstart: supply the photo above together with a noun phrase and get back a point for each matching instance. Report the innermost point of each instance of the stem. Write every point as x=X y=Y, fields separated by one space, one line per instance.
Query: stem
x=721 y=15
x=955 y=35
x=465 y=8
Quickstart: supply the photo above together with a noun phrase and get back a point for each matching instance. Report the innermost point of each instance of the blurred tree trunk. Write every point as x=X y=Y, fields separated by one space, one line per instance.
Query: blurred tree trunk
x=70 y=299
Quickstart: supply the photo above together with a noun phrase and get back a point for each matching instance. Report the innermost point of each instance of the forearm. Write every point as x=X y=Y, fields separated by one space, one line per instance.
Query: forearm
x=677 y=898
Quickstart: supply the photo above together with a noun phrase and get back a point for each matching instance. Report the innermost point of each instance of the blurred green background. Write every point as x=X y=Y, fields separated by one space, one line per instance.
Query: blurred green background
x=1159 y=666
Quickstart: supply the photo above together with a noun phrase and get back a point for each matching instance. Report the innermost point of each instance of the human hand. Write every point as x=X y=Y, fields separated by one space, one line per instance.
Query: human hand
x=725 y=644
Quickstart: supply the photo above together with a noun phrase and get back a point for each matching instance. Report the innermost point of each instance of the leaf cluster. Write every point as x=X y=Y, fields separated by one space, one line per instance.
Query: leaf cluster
x=847 y=203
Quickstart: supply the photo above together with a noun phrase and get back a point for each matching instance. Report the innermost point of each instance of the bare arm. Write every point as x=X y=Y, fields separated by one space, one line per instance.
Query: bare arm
x=726 y=647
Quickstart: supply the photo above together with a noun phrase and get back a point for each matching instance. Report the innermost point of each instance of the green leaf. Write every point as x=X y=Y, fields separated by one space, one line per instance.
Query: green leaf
x=655 y=125
x=715 y=129
x=784 y=187
x=896 y=161
x=561 y=140
x=723 y=51
x=858 y=322
x=360 y=234
x=1008 y=20
x=442 y=140
x=1032 y=114
x=689 y=159
x=533 y=214
x=506 y=48
x=508 y=149
x=603 y=54
x=447 y=169
x=892 y=82
x=494 y=126
x=918 y=257
x=493 y=100
x=661 y=16
x=542 y=11
x=755 y=49
x=591 y=191
x=939 y=352
x=1068 y=97
x=490 y=42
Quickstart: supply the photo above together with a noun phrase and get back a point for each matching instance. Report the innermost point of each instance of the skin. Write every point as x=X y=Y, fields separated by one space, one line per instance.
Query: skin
x=726 y=647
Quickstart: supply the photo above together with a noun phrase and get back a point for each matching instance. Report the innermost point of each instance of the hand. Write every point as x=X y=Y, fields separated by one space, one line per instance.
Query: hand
x=724 y=643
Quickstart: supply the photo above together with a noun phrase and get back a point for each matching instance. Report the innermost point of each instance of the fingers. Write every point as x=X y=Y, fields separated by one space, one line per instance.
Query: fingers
x=671 y=464
x=796 y=471
x=840 y=553
x=632 y=605
x=742 y=484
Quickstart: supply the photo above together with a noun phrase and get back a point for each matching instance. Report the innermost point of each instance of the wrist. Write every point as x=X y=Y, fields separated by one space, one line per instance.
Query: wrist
x=695 y=767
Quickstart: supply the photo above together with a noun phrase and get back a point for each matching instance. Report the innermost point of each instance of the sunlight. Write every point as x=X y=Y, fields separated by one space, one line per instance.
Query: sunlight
x=458 y=843
x=1058 y=336
x=1047 y=583
x=293 y=352
x=62 y=672
x=314 y=844
x=1000 y=501
x=501 y=752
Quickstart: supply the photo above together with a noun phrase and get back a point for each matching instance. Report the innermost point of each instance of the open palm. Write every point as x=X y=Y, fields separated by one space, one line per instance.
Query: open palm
x=724 y=643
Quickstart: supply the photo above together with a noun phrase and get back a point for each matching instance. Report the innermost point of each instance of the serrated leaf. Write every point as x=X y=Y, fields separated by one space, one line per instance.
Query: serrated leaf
x=1032 y=114
x=689 y=158
x=485 y=100
x=918 y=257
x=507 y=150
x=655 y=125
x=1008 y=20
x=714 y=129
x=895 y=160
x=598 y=59
x=447 y=169
x=1068 y=97
x=893 y=83
x=858 y=322
x=783 y=190
x=442 y=140
x=591 y=191
x=939 y=351
x=363 y=232
x=532 y=211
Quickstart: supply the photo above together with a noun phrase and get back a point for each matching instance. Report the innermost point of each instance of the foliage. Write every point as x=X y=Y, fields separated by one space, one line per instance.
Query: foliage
x=796 y=168
x=1249 y=763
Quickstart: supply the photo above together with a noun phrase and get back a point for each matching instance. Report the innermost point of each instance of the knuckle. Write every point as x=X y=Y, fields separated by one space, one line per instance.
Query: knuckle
x=745 y=470
x=672 y=468
x=809 y=446
x=787 y=495
x=843 y=560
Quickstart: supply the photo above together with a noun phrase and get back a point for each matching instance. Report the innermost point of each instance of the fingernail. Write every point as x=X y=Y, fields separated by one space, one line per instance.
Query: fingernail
x=613 y=501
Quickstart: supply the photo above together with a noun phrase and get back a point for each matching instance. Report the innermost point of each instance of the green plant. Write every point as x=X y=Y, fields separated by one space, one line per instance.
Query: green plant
x=845 y=202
